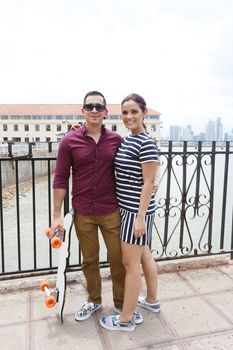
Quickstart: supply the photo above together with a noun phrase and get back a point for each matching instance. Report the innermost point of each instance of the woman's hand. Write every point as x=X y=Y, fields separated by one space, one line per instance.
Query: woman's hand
x=139 y=226
x=75 y=126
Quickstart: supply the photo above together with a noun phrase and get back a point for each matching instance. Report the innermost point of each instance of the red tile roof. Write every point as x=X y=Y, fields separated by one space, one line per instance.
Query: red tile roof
x=55 y=109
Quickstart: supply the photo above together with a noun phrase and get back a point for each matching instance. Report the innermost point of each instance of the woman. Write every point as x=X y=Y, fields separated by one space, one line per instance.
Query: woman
x=136 y=165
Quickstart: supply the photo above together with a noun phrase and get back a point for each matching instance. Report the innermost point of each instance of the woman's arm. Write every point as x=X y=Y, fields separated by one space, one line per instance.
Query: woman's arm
x=148 y=173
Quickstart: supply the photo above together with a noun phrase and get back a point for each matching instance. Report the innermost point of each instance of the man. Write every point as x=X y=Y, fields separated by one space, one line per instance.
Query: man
x=89 y=151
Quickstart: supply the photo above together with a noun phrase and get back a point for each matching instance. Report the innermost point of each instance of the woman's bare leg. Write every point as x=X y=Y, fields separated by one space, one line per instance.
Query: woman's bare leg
x=131 y=258
x=149 y=267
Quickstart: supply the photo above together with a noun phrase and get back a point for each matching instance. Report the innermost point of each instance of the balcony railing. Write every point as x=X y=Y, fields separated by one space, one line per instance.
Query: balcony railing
x=194 y=215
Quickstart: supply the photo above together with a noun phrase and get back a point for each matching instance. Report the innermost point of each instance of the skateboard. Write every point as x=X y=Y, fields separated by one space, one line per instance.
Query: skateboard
x=56 y=296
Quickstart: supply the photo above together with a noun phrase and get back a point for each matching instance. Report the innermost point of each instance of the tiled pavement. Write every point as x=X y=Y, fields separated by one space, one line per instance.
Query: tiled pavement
x=197 y=314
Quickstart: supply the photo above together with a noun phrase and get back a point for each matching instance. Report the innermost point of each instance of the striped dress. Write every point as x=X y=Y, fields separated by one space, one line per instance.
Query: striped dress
x=133 y=151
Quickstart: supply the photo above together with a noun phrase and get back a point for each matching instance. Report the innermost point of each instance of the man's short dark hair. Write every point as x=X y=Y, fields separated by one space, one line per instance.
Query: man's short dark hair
x=94 y=93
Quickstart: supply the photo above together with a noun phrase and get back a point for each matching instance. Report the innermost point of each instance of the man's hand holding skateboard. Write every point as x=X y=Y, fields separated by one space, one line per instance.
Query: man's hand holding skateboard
x=55 y=232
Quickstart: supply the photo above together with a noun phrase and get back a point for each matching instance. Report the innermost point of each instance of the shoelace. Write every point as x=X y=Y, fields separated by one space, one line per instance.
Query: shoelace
x=85 y=308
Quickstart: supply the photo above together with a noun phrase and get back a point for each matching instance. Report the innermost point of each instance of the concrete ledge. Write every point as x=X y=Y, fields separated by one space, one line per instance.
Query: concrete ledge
x=17 y=283
x=194 y=263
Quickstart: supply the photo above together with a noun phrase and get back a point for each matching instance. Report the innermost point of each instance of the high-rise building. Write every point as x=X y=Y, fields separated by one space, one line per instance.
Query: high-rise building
x=175 y=132
x=214 y=130
x=219 y=130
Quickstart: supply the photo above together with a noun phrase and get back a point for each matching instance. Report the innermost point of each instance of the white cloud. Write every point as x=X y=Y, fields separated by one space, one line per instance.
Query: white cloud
x=177 y=54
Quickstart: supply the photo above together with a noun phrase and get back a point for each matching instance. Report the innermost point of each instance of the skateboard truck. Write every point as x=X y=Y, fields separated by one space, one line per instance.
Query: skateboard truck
x=57 y=240
x=51 y=294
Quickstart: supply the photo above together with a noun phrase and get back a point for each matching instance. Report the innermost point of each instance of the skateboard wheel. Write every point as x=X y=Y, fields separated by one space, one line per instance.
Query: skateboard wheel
x=44 y=284
x=50 y=301
x=56 y=242
x=47 y=232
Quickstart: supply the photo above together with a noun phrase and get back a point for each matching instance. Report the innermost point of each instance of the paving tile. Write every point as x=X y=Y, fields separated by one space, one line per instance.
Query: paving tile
x=51 y=334
x=227 y=269
x=14 y=336
x=224 y=302
x=14 y=308
x=161 y=347
x=217 y=342
x=171 y=285
x=207 y=280
x=76 y=295
x=151 y=331
x=191 y=316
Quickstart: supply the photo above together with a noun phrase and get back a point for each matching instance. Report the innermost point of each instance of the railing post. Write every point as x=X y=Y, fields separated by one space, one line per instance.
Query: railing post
x=10 y=154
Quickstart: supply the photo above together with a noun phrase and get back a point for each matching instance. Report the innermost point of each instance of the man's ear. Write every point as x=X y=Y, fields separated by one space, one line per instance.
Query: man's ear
x=106 y=114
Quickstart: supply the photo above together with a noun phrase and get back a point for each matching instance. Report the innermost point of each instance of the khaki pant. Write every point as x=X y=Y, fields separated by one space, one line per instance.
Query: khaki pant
x=87 y=233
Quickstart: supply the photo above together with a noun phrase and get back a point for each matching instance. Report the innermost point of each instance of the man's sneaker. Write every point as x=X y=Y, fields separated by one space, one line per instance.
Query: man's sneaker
x=86 y=311
x=137 y=317
x=113 y=323
x=152 y=307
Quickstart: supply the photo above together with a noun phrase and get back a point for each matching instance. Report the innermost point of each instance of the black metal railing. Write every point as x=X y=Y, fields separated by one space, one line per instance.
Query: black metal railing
x=194 y=215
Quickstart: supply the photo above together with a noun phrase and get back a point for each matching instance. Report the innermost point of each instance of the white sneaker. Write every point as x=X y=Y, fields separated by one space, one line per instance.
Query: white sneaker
x=149 y=306
x=113 y=323
x=86 y=311
x=137 y=317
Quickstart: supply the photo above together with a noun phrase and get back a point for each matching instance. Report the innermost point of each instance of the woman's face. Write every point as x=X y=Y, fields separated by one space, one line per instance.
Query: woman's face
x=133 y=116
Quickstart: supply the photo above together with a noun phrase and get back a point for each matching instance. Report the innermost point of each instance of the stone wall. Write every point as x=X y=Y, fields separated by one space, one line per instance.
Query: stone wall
x=25 y=168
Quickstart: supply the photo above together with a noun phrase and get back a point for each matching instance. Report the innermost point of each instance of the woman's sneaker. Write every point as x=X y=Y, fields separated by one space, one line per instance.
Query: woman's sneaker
x=113 y=323
x=149 y=306
x=86 y=311
x=137 y=317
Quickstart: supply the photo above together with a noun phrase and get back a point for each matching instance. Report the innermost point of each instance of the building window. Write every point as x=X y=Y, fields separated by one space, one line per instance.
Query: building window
x=15 y=116
x=48 y=139
x=58 y=127
x=26 y=139
x=48 y=127
x=5 y=139
x=112 y=117
x=37 y=139
x=37 y=127
x=26 y=127
x=152 y=116
x=16 y=139
x=4 y=127
x=153 y=127
x=114 y=127
x=16 y=127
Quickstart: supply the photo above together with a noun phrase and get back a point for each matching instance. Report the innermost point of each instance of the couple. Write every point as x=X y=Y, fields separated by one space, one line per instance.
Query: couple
x=112 y=190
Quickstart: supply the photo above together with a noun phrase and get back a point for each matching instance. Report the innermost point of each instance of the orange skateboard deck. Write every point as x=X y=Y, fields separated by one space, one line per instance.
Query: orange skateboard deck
x=56 y=296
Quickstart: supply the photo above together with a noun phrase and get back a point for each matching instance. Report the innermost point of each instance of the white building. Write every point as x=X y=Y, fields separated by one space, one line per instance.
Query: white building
x=48 y=122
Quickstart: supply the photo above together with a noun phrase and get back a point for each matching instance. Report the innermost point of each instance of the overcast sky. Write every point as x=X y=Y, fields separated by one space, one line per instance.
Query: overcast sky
x=178 y=54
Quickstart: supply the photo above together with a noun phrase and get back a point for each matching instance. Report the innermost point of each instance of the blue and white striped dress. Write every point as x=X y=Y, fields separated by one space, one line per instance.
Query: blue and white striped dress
x=133 y=151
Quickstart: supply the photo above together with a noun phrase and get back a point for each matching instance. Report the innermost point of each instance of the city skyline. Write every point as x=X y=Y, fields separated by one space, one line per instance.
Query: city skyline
x=214 y=131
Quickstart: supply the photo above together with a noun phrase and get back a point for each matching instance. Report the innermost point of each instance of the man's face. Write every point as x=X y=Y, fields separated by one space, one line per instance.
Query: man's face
x=94 y=110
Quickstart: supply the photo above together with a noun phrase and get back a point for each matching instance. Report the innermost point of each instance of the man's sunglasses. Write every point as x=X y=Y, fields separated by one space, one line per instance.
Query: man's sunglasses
x=90 y=106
